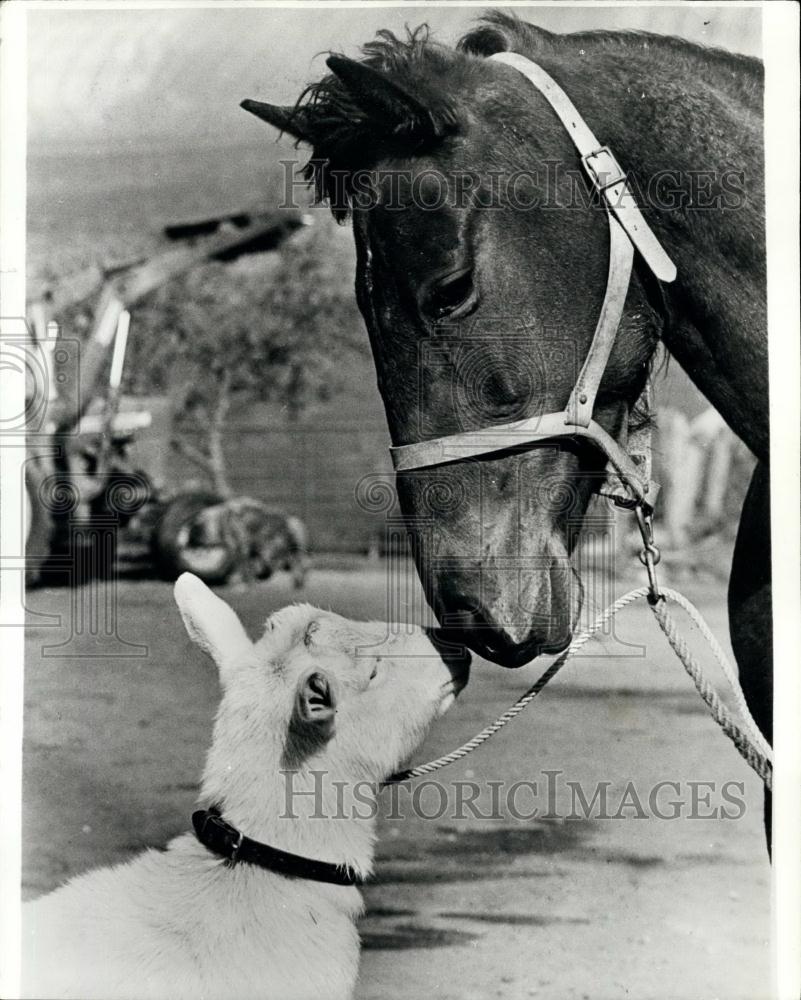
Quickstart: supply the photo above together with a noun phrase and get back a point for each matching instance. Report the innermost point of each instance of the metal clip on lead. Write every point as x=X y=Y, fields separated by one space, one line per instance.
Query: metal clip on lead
x=649 y=555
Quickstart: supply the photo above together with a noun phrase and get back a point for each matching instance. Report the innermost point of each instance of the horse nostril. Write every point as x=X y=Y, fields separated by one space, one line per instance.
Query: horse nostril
x=509 y=644
x=462 y=619
x=471 y=623
x=457 y=620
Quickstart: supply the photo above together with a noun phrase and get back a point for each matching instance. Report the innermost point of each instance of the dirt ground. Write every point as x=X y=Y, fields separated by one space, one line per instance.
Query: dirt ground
x=499 y=904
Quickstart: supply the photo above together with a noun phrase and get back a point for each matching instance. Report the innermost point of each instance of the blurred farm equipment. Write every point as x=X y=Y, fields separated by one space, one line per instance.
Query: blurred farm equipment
x=95 y=499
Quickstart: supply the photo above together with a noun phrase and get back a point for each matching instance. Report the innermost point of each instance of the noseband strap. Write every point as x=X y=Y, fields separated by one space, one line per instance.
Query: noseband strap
x=531 y=430
x=628 y=231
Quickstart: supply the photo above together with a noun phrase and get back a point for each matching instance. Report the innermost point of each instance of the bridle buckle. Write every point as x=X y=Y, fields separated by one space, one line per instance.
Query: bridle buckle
x=603 y=169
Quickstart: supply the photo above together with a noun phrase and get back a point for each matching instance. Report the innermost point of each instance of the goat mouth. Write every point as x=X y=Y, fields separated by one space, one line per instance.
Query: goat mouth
x=456 y=684
x=446 y=701
x=460 y=681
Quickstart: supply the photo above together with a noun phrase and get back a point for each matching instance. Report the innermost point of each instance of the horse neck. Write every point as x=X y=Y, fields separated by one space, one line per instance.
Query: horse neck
x=687 y=126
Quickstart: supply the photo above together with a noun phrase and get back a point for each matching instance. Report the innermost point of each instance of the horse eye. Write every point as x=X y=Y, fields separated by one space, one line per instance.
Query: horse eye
x=445 y=295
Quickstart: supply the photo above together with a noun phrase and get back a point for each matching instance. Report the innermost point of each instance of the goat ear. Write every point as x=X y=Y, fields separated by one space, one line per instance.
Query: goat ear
x=382 y=99
x=297 y=122
x=211 y=623
x=315 y=702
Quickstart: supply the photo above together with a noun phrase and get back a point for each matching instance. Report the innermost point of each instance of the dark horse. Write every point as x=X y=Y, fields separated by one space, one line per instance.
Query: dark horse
x=482 y=265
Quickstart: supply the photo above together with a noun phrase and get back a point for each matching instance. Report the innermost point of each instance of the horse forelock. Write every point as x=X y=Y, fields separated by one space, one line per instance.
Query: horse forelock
x=352 y=136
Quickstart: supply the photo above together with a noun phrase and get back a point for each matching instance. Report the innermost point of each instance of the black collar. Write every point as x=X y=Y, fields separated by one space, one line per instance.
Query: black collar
x=221 y=838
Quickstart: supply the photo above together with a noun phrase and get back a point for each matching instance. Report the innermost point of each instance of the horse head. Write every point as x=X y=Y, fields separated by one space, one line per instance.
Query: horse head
x=481 y=270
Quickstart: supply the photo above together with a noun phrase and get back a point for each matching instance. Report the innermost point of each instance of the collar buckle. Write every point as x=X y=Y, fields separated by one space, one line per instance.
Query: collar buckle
x=217 y=833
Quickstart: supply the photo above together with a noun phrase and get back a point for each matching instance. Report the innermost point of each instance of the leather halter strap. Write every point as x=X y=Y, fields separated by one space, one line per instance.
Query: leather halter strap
x=628 y=231
x=603 y=169
x=530 y=430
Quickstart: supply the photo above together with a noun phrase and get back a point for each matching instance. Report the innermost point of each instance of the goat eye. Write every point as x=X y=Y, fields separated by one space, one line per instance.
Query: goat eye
x=449 y=294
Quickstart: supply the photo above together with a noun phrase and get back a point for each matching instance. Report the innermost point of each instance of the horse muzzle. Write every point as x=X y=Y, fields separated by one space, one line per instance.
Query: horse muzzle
x=507 y=624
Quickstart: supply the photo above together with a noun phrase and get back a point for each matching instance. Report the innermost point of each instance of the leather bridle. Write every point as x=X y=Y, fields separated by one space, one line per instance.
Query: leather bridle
x=628 y=476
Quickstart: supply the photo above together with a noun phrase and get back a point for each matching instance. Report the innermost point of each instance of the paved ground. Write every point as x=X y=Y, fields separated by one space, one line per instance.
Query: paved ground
x=463 y=906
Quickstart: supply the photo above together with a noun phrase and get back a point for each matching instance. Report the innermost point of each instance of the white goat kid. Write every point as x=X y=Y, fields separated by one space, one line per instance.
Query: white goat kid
x=312 y=715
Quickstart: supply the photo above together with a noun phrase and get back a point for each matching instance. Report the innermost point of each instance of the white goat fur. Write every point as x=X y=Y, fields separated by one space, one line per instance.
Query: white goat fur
x=183 y=923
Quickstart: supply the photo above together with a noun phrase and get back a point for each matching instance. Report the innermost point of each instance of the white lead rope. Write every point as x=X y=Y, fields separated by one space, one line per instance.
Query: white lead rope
x=749 y=741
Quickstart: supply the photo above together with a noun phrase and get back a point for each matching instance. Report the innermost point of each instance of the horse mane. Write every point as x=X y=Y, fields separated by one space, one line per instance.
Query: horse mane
x=499 y=31
x=347 y=137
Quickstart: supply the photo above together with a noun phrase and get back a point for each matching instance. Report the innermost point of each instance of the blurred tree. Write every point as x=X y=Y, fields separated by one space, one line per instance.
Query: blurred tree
x=274 y=327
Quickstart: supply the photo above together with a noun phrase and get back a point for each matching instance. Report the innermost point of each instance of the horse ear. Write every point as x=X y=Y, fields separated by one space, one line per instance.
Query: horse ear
x=485 y=40
x=383 y=100
x=500 y=32
x=297 y=122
